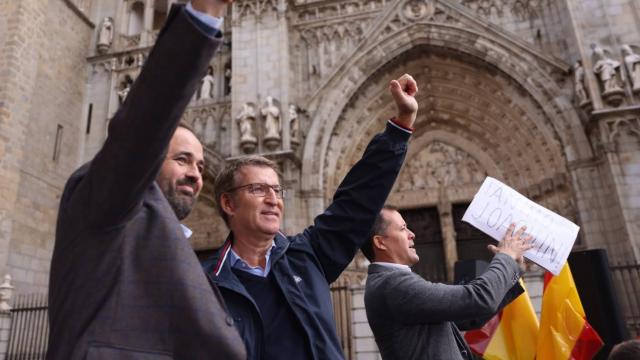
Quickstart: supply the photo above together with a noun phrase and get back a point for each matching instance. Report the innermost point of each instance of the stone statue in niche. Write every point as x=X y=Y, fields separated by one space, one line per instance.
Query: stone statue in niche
x=206 y=85
x=125 y=87
x=607 y=70
x=105 y=35
x=294 y=126
x=227 y=79
x=246 y=118
x=632 y=63
x=271 y=115
x=579 y=84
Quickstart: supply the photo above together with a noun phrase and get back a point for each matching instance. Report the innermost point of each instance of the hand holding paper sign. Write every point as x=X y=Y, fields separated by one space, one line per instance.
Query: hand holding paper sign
x=514 y=244
x=496 y=206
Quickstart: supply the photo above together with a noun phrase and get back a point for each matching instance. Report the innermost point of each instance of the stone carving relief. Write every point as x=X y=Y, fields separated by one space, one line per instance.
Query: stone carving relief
x=257 y=8
x=246 y=120
x=418 y=9
x=105 y=35
x=485 y=7
x=206 y=122
x=124 y=88
x=555 y=194
x=440 y=164
x=327 y=11
x=608 y=72
x=632 y=64
x=324 y=47
x=521 y=9
x=130 y=41
x=271 y=115
x=625 y=128
x=528 y=9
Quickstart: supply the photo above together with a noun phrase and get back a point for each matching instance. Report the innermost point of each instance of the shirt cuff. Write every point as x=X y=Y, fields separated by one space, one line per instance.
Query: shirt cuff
x=394 y=122
x=210 y=24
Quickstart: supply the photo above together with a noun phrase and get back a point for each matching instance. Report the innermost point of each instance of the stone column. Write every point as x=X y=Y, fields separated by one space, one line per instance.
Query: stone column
x=6 y=291
x=146 y=36
x=260 y=58
x=448 y=233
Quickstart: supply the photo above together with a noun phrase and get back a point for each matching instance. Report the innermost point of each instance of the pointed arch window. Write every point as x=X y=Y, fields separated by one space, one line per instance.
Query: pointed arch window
x=136 y=18
x=160 y=11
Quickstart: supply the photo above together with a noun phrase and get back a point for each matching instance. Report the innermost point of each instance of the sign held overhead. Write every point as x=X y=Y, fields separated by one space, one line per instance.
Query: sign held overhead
x=496 y=206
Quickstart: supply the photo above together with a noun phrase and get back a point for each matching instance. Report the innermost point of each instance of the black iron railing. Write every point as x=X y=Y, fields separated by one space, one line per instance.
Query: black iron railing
x=29 y=331
x=626 y=279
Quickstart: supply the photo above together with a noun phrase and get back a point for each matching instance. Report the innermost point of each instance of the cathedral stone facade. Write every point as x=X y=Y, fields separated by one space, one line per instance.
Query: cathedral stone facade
x=541 y=94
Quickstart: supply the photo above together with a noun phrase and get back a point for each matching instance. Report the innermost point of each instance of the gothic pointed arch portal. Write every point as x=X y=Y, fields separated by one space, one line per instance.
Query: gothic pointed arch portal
x=474 y=121
x=490 y=101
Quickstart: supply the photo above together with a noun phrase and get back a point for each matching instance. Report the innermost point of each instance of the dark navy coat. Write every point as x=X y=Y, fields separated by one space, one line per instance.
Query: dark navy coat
x=305 y=264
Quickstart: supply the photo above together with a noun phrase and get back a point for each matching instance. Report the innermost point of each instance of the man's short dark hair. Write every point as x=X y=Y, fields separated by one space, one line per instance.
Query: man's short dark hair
x=379 y=228
x=626 y=350
x=226 y=179
x=184 y=125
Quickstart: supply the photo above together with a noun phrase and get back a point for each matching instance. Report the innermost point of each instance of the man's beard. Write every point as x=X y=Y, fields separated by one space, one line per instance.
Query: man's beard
x=181 y=203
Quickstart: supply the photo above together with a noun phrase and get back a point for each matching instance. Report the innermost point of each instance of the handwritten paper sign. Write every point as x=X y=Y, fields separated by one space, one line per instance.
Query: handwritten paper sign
x=496 y=206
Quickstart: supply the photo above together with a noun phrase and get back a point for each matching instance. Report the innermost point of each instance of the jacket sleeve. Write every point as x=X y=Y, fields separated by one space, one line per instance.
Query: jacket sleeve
x=413 y=300
x=140 y=132
x=477 y=323
x=342 y=228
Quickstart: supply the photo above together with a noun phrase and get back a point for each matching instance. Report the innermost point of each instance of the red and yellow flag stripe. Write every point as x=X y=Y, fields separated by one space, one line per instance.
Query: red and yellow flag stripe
x=564 y=330
x=511 y=334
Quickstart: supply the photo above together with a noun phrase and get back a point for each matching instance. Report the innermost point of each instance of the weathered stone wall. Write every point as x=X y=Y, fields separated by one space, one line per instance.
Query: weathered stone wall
x=42 y=87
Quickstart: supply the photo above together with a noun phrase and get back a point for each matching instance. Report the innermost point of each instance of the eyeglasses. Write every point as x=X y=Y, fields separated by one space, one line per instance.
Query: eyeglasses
x=261 y=189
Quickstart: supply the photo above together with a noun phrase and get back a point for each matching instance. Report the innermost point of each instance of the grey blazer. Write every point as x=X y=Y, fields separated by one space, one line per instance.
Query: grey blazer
x=125 y=283
x=413 y=318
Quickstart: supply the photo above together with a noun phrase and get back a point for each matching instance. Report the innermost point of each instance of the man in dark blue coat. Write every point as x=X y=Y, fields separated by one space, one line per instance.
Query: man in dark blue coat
x=125 y=283
x=277 y=286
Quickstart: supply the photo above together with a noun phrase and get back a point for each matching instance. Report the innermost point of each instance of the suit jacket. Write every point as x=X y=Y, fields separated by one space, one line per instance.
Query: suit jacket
x=125 y=283
x=413 y=318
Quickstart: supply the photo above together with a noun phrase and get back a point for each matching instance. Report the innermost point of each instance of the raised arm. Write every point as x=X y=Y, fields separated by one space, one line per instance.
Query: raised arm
x=414 y=300
x=341 y=230
x=140 y=131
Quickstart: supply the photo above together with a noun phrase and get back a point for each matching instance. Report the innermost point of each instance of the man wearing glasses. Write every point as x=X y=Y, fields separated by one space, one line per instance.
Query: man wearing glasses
x=276 y=286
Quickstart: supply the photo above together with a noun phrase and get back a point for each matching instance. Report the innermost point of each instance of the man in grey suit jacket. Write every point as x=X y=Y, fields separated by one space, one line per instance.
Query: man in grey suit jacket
x=125 y=283
x=412 y=318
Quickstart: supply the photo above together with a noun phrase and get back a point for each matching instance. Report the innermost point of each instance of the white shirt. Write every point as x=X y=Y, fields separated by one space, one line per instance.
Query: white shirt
x=186 y=231
x=394 y=265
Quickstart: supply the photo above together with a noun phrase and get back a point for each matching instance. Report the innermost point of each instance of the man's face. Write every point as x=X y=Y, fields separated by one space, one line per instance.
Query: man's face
x=251 y=214
x=398 y=239
x=180 y=177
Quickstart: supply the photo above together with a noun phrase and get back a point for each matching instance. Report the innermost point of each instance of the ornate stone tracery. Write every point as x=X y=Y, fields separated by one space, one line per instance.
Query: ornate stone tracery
x=485 y=7
x=257 y=8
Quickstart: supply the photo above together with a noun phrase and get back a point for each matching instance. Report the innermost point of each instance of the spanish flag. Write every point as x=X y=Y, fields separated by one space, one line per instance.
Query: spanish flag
x=511 y=334
x=564 y=331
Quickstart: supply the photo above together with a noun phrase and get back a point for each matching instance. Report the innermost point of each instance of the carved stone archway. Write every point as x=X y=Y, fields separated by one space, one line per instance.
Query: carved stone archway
x=446 y=28
x=478 y=86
